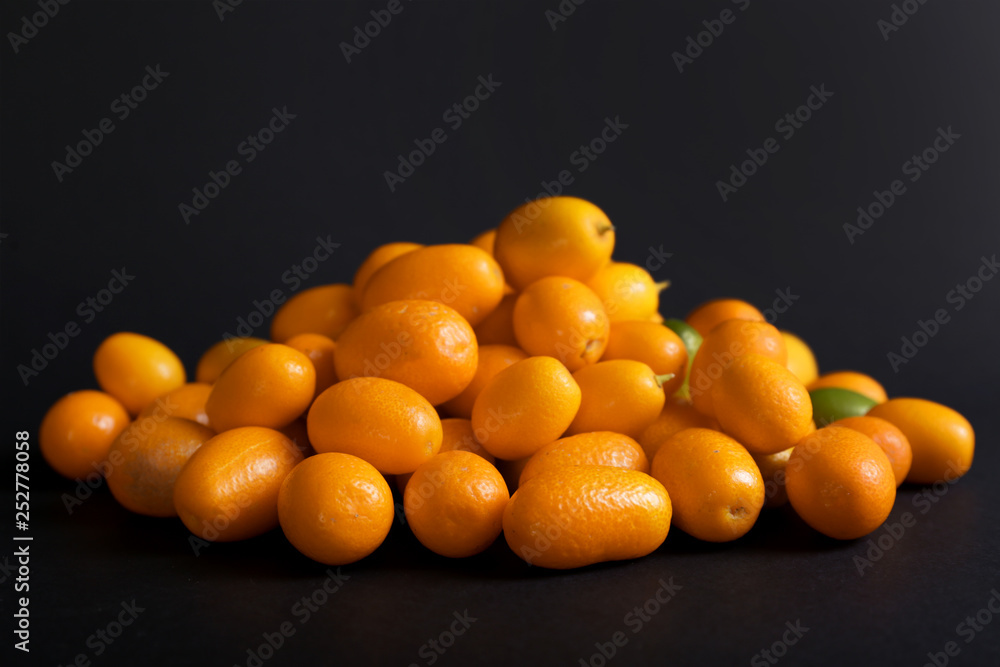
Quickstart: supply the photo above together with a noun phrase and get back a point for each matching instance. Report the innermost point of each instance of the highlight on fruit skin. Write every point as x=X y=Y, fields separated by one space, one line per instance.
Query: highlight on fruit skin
x=605 y=448
x=524 y=407
x=77 y=432
x=574 y=516
x=553 y=236
x=423 y=344
x=454 y=504
x=136 y=369
x=840 y=482
x=381 y=421
x=942 y=441
x=524 y=383
x=714 y=484
x=458 y=275
x=269 y=385
x=561 y=318
x=228 y=489
x=335 y=508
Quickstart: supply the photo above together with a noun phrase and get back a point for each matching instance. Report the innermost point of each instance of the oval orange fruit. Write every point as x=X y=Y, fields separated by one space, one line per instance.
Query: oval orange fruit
x=460 y=276
x=524 y=407
x=228 y=489
x=561 y=318
x=553 y=236
x=381 y=421
x=715 y=487
x=941 y=440
x=146 y=458
x=762 y=404
x=78 y=430
x=269 y=386
x=335 y=508
x=572 y=516
x=840 y=482
x=325 y=309
x=136 y=369
x=624 y=396
x=454 y=504
x=425 y=345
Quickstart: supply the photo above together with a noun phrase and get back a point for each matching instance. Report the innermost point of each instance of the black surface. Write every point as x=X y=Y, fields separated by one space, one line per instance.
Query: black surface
x=324 y=176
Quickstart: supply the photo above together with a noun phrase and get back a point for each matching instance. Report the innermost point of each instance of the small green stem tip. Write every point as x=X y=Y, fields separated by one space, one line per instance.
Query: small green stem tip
x=660 y=286
x=663 y=379
x=604 y=229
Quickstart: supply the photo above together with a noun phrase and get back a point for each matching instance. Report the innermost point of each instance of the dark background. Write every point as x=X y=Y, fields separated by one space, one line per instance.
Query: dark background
x=323 y=176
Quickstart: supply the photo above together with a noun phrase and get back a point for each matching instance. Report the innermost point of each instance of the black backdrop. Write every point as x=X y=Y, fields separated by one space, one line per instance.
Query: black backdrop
x=562 y=73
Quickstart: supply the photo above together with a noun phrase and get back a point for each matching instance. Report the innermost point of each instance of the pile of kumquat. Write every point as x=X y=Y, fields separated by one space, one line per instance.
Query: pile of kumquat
x=526 y=361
